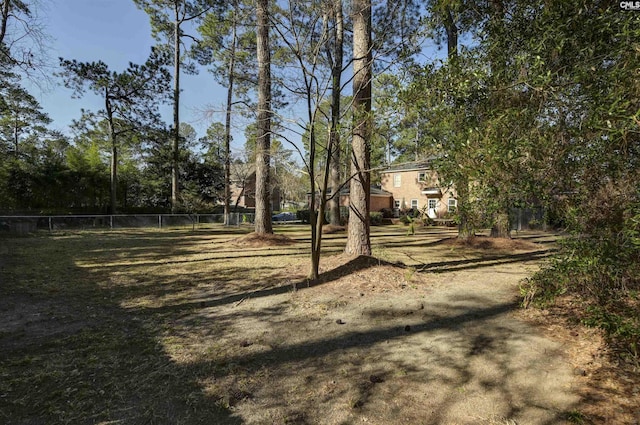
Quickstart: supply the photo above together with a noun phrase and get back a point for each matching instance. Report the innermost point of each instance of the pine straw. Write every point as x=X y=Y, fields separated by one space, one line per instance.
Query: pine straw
x=254 y=239
x=487 y=243
x=331 y=228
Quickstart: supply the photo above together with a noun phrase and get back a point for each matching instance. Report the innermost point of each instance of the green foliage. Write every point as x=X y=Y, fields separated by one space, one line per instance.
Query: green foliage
x=375 y=218
x=304 y=216
x=600 y=264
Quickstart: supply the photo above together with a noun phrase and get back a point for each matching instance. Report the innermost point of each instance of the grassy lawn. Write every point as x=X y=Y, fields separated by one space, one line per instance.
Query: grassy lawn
x=182 y=327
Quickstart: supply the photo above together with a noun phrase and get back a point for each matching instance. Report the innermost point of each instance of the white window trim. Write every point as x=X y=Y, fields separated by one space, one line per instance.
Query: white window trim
x=397 y=180
x=416 y=202
x=450 y=205
x=397 y=203
x=435 y=201
x=423 y=175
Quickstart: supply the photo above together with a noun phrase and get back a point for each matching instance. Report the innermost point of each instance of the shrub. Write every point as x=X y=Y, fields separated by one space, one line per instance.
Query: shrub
x=304 y=216
x=387 y=213
x=375 y=218
x=599 y=264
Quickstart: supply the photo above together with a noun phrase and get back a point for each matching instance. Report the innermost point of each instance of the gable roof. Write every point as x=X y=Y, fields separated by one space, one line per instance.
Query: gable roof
x=410 y=166
x=373 y=190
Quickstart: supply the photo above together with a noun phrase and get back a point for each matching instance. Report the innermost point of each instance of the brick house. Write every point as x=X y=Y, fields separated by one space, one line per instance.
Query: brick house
x=416 y=186
x=378 y=199
x=243 y=188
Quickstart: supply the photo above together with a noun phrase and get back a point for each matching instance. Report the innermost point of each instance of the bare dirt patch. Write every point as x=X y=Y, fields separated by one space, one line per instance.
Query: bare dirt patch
x=608 y=378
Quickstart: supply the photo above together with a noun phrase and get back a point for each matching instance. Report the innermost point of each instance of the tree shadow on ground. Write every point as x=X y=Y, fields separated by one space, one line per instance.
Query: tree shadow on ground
x=360 y=373
x=69 y=358
x=187 y=362
x=484 y=261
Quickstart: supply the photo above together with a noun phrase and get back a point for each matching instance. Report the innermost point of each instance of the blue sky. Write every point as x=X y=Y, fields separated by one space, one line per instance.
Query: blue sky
x=116 y=32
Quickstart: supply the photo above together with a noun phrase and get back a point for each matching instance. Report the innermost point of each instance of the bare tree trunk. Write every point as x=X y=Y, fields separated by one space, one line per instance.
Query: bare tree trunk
x=465 y=227
x=114 y=175
x=5 y=19
x=227 y=130
x=176 y=115
x=263 y=142
x=501 y=226
x=16 y=138
x=114 y=154
x=336 y=94
x=358 y=241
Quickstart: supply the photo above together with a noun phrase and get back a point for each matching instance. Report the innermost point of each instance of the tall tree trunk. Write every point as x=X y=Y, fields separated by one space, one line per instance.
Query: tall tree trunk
x=336 y=94
x=114 y=175
x=358 y=240
x=465 y=227
x=501 y=227
x=175 y=149
x=4 y=20
x=227 y=126
x=16 y=138
x=263 y=142
x=452 y=33
x=501 y=224
x=114 y=154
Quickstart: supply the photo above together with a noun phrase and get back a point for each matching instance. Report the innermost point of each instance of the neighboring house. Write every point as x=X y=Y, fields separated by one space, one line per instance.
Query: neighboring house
x=379 y=199
x=416 y=186
x=243 y=188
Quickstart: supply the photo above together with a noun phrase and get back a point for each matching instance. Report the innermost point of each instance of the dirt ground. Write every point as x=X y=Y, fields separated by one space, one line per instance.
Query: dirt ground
x=427 y=331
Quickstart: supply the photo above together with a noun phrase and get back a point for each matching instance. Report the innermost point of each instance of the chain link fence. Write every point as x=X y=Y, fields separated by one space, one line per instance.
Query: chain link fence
x=20 y=225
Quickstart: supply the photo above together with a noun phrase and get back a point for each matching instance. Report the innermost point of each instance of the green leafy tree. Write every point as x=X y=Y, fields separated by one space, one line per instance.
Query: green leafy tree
x=130 y=98
x=21 y=117
x=228 y=46
x=23 y=127
x=169 y=19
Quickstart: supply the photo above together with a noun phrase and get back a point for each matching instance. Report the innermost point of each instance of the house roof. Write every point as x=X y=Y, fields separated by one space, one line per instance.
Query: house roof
x=374 y=191
x=410 y=166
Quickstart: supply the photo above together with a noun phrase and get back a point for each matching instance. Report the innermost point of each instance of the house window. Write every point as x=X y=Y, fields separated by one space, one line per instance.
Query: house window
x=432 y=203
x=451 y=205
x=414 y=204
x=396 y=203
x=422 y=176
x=397 y=180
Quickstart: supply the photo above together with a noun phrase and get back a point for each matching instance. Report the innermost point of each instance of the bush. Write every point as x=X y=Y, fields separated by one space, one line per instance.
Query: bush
x=387 y=213
x=375 y=218
x=599 y=264
x=304 y=216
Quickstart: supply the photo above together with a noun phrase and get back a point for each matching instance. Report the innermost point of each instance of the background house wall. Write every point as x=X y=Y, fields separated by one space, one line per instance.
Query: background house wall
x=418 y=186
x=243 y=192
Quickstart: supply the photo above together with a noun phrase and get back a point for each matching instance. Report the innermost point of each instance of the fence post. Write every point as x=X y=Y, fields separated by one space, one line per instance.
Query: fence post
x=50 y=225
x=111 y=222
x=159 y=221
